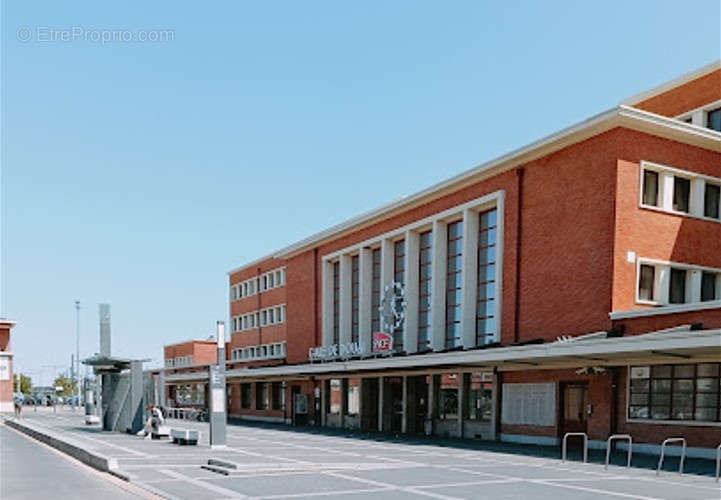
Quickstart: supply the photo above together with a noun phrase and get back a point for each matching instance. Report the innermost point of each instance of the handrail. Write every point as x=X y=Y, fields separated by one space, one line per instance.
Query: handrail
x=585 y=445
x=718 y=462
x=663 y=451
x=608 y=447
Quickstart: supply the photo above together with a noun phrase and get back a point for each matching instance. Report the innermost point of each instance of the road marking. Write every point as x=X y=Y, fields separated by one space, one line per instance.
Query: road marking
x=393 y=486
x=198 y=482
x=595 y=490
x=325 y=493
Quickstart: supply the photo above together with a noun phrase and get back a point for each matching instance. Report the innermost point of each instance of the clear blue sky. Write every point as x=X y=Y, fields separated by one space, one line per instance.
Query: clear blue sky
x=139 y=173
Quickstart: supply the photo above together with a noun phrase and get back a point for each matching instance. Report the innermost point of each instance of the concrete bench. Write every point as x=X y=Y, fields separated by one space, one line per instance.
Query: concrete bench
x=184 y=436
x=92 y=419
x=162 y=431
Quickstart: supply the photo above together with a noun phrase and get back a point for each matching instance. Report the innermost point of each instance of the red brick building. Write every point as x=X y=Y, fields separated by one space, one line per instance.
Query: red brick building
x=571 y=285
x=6 y=366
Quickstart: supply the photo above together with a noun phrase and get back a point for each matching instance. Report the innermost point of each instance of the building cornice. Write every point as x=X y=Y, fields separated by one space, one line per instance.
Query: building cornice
x=672 y=84
x=620 y=116
x=662 y=310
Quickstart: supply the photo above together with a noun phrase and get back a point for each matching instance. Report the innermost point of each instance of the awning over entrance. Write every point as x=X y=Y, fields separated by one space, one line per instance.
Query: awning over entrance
x=677 y=345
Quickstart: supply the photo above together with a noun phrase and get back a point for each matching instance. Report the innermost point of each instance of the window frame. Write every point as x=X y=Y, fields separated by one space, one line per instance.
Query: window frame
x=691 y=176
x=695 y=423
x=689 y=292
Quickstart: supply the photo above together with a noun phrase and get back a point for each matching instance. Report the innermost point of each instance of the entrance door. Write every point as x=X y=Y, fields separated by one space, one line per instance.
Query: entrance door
x=417 y=407
x=394 y=386
x=574 y=404
x=369 y=406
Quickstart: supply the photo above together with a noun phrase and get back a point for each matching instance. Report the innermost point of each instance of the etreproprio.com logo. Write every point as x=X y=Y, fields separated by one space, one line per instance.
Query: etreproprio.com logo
x=102 y=36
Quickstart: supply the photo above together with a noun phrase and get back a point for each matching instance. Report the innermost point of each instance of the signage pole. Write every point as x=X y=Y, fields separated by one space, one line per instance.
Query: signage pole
x=216 y=384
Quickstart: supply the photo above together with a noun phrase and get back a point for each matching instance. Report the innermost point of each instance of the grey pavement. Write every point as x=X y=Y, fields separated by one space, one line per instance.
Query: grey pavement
x=277 y=463
x=29 y=470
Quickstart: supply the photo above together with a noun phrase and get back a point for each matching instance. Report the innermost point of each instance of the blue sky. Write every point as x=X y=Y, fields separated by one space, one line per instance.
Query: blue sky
x=138 y=173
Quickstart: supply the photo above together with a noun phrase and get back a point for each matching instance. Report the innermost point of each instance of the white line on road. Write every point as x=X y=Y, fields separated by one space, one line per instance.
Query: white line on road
x=208 y=486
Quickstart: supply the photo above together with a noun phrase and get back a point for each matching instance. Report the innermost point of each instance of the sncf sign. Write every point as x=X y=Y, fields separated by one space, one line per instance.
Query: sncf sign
x=382 y=342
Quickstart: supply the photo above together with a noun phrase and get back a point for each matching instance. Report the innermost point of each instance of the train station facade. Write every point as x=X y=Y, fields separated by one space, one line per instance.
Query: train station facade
x=572 y=285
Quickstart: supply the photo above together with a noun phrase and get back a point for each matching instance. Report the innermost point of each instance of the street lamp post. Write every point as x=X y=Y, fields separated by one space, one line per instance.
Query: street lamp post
x=216 y=383
x=77 y=353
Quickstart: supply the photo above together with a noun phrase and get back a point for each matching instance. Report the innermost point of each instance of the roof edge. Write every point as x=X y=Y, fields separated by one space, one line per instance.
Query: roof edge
x=671 y=84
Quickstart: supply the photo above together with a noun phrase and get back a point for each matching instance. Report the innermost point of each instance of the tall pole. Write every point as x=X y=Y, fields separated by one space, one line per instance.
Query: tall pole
x=218 y=394
x=77 y=352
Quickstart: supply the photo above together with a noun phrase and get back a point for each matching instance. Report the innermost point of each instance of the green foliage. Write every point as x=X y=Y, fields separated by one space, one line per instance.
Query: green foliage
x=26 y=384
x=69 y=387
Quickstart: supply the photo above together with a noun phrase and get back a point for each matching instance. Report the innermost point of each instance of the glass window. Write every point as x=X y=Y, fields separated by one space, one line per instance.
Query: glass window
x=424 y=290
x=245 y=395
x=713 y=119
x=262 y=399
x=708 y=286
x=650 y=188
x=278 y=390
x=336 y=302
x=448 y=397
x=486 y=279
x=480 y=397
x=711 y=200
x=453 y=283
x=681 y=194
x=677 y=291
x=355 y=297
x=353 y=397
x=399 y=267
x=645 y=282
x=334 y=396
x=680 y=392
x=376 y=291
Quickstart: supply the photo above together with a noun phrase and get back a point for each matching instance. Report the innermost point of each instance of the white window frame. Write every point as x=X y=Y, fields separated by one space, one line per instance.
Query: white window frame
x=659 y=265
x=696 y=194
x=699 y=116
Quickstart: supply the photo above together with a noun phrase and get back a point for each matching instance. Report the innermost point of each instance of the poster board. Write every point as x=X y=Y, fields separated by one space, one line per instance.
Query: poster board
x=529 y=404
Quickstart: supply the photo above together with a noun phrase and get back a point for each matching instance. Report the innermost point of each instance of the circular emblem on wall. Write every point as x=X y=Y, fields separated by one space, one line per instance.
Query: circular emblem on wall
x=393 y=306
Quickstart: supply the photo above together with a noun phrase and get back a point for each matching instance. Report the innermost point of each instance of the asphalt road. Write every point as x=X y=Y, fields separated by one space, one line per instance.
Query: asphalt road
x=30 y=470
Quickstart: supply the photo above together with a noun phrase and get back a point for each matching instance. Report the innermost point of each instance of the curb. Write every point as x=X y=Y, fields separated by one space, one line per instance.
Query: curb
x=95 y=460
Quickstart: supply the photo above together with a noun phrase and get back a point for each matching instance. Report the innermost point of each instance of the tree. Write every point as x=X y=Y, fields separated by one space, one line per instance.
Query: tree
x=26 y=384
x=69 y=387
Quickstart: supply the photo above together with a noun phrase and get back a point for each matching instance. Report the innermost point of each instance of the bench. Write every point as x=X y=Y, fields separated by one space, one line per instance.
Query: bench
x=92 y=419
x=161 y=431
x=184 y=436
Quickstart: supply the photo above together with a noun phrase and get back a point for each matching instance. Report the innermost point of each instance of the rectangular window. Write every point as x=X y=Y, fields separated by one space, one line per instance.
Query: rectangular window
x=334 y=396
x=486 y=279
x=675 y=392
x=650 y=188
x=713 y=119
x=677 y=288
x=454 y=264
x=353 y=396
x=646 y=281
x=424 y=290
x=262 y=396
x=681 y=194
x=355 y=297
x=376 y=291
x=278 y=396
x=712 y=200
x=708 y=287
x=479 y=396
x=245 y=396
x=448 y=397
x=399 y=267
x=336 y=302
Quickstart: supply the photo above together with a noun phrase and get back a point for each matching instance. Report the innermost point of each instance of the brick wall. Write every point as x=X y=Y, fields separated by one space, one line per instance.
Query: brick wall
x=691 y=95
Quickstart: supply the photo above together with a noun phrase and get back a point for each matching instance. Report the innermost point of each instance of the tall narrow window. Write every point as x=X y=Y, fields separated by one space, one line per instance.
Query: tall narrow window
x=399 y=267
x=486 y=292
x=713 y=119
x=336 y=302
x=677 y=290
x=454 y=264
x=355 y=297
x=708 y=287
x=711 y=200
x=424 y=290
x=376 y=291
x=645 y=282
x=681 y=194
x=650 y=188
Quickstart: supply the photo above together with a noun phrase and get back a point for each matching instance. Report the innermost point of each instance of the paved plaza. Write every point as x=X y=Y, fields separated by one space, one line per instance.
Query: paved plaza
x=285 y=463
